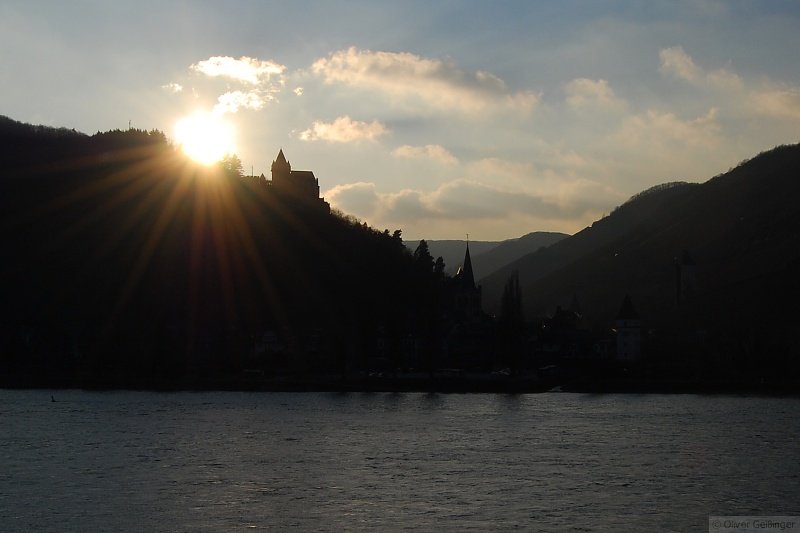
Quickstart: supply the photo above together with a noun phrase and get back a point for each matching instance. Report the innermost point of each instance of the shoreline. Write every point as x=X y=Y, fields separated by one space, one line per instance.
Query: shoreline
x=481 y=384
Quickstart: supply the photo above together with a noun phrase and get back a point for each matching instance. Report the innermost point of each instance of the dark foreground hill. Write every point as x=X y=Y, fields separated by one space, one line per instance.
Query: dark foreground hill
x=121 y=260
x=739 y=234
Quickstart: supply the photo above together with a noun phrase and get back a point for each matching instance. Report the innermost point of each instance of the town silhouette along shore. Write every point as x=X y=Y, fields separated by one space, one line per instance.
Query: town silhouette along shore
x=126 y=265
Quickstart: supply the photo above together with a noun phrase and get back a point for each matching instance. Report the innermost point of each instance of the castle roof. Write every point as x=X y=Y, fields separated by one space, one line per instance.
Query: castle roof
x=304 y=175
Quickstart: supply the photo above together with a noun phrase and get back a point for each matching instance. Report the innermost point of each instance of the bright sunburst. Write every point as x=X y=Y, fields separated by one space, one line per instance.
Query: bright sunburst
x=205 y=137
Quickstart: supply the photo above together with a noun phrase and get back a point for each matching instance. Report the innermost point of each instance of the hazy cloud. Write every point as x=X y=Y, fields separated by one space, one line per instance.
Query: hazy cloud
x=429 y=151
x=245 y=69
x=584 y=92
x=360 y=199
x=781 y=102
x=463 y=199
x=232 y=101
x=656 y=128
x=767 y=98
x=471 y=199
x=344 y=129
x=676 y=62
x=173 y=87
x=403 y=75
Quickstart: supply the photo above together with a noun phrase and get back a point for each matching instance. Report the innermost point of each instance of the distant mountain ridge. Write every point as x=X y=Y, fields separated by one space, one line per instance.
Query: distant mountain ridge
x=510 y=250
x=488 y=256
x=741 y=228
x=452 y=251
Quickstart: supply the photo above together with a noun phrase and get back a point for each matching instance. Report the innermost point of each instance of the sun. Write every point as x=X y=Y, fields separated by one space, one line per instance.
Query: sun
x=205 y=137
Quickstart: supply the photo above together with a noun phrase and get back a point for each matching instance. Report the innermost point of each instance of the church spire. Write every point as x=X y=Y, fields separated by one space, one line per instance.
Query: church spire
x=467 y=277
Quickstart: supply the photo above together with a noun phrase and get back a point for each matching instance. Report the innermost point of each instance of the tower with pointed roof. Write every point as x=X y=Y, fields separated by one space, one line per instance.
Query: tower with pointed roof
x=281 y=171
x=300 y=187
x=467 y=294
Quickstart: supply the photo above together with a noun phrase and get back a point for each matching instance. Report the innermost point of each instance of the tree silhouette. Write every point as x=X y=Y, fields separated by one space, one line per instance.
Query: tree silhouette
x=231 y=165
x=511 y=302
x=423 y=258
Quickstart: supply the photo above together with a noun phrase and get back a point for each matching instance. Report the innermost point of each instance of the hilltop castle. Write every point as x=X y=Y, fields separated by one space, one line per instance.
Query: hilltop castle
x=300 y=186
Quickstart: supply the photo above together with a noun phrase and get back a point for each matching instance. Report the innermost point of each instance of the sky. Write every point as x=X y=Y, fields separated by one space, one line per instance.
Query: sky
x=440 y=118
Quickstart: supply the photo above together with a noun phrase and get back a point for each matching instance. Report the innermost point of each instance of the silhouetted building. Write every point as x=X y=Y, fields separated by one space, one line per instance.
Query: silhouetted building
x=300 y=186
x=560 y=335
x=467 y=295
x=629 y=332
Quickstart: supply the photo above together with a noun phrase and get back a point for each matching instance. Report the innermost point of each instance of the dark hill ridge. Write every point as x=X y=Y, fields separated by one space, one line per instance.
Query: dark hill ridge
x=510 y=250
x=741 y=228
x=122 y=261
x=536 y=265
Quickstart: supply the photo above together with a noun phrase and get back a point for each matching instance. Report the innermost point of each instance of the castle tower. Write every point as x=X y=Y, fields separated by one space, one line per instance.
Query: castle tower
x=281 y=172
x=300 y=187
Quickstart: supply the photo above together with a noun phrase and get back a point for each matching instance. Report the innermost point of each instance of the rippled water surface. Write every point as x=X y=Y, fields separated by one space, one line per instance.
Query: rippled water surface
x=553 y=462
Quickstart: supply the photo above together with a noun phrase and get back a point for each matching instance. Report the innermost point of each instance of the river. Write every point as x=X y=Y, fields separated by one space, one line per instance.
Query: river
x=146 y=461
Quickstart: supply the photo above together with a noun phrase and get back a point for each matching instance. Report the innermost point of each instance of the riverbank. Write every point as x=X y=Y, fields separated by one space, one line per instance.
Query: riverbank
x=416 y=382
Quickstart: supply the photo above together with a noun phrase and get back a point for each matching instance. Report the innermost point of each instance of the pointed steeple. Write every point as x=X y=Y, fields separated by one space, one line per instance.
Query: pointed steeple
x=281 y=170
x=464 y=273
x=280 y=163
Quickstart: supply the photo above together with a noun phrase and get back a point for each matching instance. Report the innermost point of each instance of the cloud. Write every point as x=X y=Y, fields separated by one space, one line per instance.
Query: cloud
x=580 y=196
x=676 y=62
x=405 y=76
x=769 y=98
x=360 y=199
x=173 y=87
x=344 y=129
x=232 y=101
x=298 y=91
x=584 y=92
x=429 y=151
x=501 y=173
x=781 y=102
x=657 y=129
x=469 y=200
x=262 y=80
x=245 y=69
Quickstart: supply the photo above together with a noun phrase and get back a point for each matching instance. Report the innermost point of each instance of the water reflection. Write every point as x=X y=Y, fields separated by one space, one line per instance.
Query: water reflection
x=221 y=461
